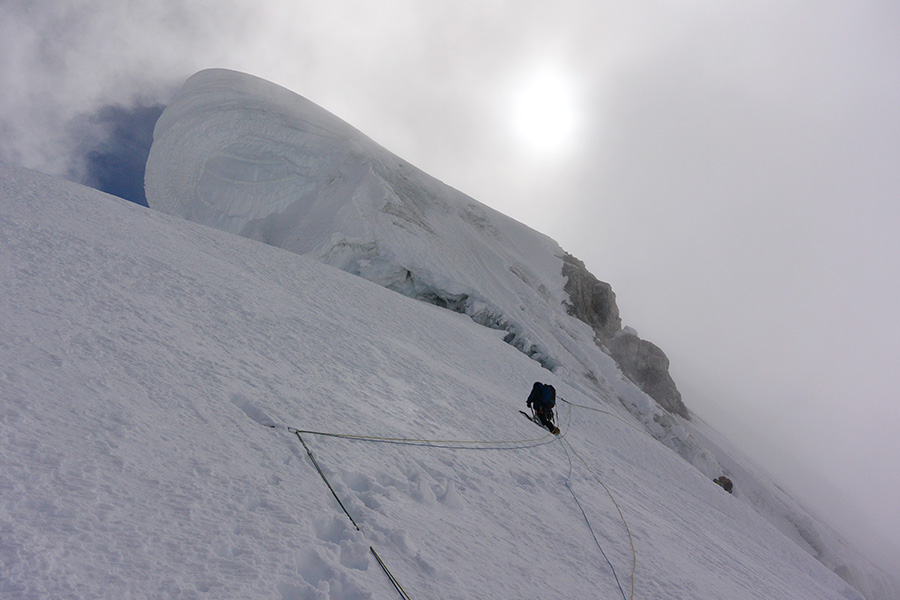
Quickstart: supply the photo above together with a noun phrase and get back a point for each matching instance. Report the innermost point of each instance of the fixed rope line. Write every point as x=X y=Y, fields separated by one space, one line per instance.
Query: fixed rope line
x=446 y=444
x=460 y=446
x=325 y=479
x=586 y=520
x=612 y=414
x=568 y=446
x=374 y=438
x=599 y=410
x=390 y=575
x=429 y=443
x=618 y=508
x=387 y=571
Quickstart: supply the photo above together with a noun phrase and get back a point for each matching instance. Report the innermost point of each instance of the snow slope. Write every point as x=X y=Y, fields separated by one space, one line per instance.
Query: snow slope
x=246 y=156
x=807 y=530
x=143 y=360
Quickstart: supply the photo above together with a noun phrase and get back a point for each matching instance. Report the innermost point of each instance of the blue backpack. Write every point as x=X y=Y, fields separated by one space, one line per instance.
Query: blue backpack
x=543 y=395
x=548 y=396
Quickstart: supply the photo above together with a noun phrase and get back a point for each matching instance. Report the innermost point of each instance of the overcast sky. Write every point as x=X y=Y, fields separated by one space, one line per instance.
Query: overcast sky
x=732 y=169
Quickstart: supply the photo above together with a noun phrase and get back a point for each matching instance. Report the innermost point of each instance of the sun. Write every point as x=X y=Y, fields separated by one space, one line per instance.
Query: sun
x=545 y=112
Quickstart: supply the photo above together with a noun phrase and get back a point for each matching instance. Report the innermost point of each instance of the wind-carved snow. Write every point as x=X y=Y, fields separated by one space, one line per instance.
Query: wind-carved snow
x=251 y=158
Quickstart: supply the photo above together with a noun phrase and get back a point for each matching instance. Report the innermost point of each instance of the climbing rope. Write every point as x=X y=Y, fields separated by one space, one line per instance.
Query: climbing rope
x=608 y=492
x=485 y=445
x=325 y=479
x=586 y=520
x=450 y=444
x=618 y=508
x=387 y=571
x=390 y=575
x=612 y=414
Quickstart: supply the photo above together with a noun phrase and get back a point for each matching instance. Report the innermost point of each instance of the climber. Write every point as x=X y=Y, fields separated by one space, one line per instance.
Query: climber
x=725 y=483
x=542 y=400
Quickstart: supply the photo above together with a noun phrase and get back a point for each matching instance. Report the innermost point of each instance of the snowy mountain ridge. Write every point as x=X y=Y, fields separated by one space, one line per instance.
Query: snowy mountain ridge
x=247 y=156
x=144 y=358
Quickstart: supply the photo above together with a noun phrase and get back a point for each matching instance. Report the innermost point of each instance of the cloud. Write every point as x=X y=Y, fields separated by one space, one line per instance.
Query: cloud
x=60 y=60
x=744 y=212
x=426 y=80
x=113 y=145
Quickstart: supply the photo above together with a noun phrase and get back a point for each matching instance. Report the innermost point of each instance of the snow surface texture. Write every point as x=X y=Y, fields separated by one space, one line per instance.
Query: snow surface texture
x=150 y=369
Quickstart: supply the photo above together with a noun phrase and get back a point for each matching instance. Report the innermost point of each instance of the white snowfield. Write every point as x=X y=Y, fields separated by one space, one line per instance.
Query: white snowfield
x=144 y=361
